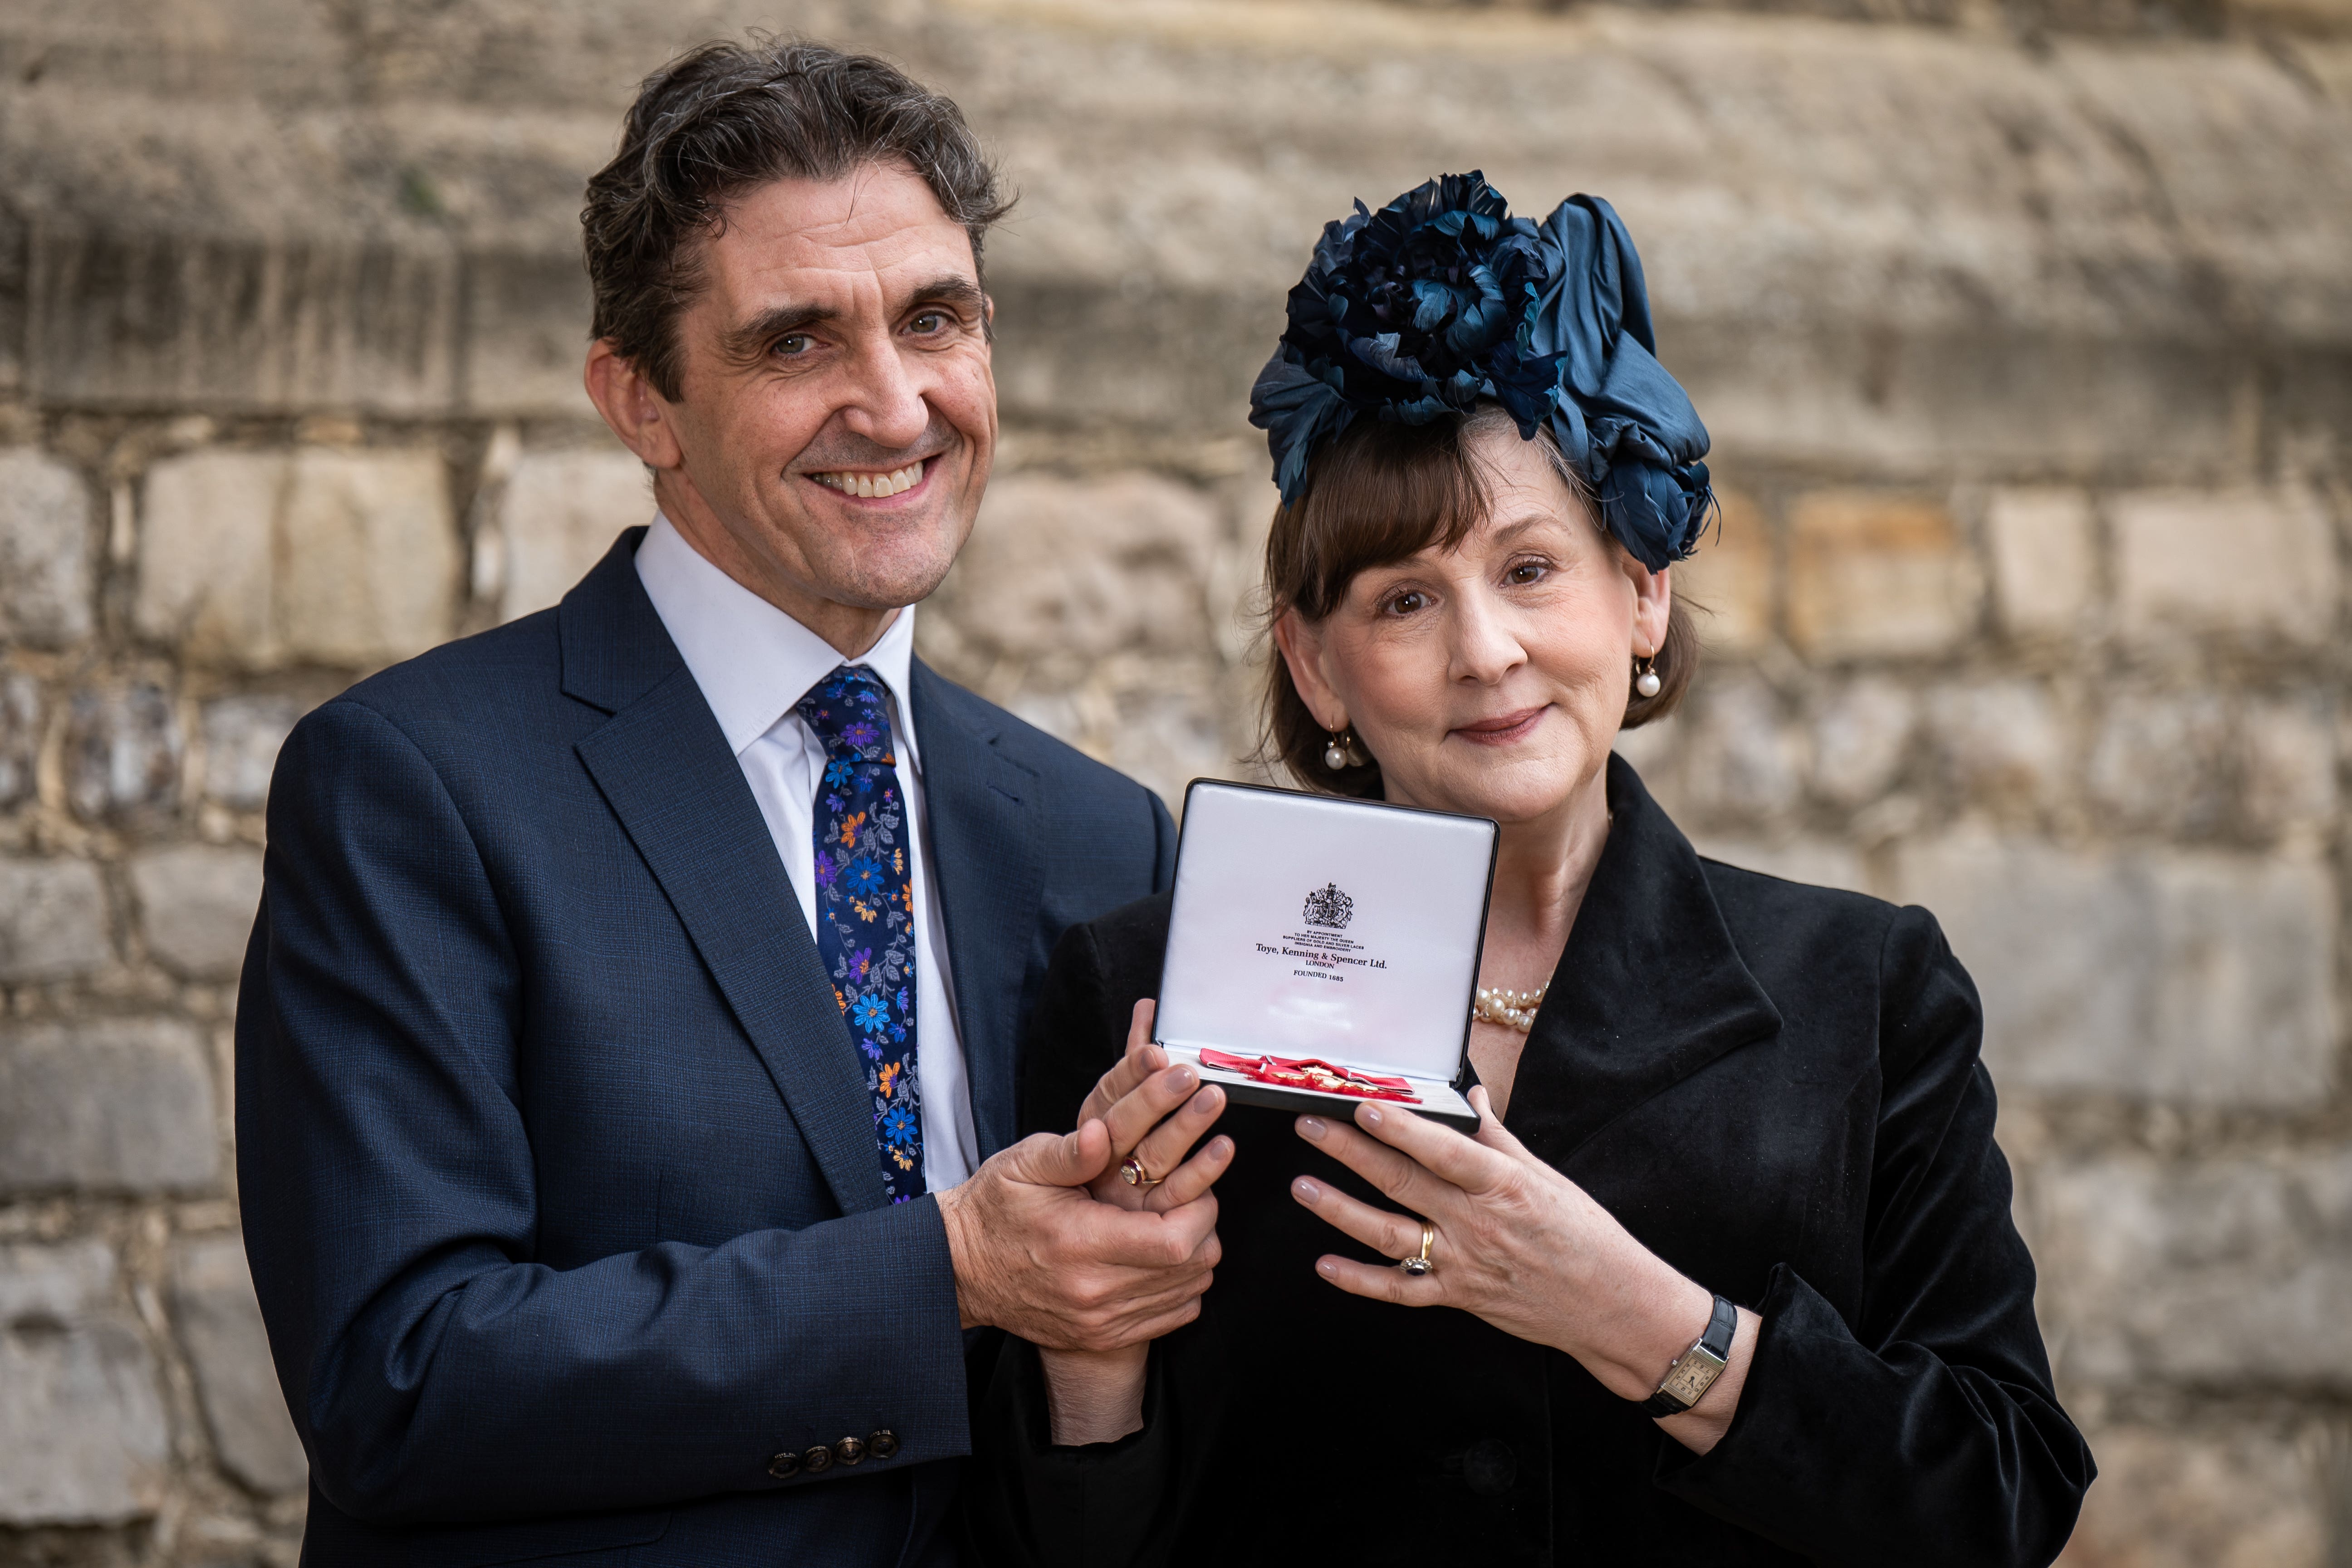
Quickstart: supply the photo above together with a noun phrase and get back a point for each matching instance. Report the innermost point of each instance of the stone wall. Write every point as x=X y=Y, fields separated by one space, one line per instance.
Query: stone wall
x=2025 y=332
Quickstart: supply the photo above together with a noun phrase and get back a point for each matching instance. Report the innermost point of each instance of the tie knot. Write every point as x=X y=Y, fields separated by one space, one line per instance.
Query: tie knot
x=850 y=716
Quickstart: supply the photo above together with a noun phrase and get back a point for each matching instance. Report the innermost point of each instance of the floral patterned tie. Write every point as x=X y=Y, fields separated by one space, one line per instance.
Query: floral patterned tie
x=865 y=909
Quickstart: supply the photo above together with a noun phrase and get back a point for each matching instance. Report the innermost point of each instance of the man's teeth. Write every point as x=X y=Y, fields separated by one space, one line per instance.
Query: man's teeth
x=887 y=484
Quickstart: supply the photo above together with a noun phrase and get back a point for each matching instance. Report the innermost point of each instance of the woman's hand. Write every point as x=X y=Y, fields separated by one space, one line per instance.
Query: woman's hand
x=1522 y=1247
x=1155 y=1113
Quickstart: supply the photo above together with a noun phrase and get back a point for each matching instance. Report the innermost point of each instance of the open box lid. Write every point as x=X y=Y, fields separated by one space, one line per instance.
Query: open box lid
x=1345 y=932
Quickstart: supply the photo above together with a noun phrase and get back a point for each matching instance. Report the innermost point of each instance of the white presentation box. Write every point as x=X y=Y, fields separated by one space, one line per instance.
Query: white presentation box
x=1341 y=932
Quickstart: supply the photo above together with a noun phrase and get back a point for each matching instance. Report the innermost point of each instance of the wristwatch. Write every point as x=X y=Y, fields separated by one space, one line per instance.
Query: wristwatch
x=1696 y=1370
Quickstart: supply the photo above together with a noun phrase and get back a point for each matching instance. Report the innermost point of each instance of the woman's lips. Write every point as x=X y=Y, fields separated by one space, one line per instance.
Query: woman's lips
x=1503 y=729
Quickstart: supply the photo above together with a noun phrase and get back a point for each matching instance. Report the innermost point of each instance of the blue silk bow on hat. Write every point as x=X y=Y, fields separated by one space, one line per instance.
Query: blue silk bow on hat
x=1442 y=298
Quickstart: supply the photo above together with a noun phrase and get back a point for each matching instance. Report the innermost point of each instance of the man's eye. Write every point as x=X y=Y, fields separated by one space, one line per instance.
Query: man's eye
x=793 y=344
x=930 y=321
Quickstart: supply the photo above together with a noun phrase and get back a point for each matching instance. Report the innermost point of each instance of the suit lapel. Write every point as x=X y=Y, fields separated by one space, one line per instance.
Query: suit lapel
x=987 y=858
x=1650 y=990
x=665 y=769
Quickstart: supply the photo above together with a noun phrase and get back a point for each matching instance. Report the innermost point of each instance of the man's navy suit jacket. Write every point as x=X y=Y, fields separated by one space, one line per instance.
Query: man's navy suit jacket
x=557 y=1165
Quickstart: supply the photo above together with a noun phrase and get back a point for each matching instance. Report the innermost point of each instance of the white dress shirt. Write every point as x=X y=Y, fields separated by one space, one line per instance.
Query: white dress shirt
x=753 y=663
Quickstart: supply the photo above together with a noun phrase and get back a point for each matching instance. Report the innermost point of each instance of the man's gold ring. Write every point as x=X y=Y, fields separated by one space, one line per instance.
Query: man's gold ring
x=1132 y=1172
x=1417 y=1266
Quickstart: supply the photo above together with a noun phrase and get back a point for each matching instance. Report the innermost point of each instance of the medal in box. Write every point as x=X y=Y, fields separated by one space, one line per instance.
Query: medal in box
x=1323 y=951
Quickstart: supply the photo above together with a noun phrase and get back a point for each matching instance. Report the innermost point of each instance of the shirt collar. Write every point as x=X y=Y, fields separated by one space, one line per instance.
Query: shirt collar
x=752 y=660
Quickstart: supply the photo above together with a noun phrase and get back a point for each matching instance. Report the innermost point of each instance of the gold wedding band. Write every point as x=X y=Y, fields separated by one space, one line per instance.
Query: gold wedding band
x=1132 y=1172
x=1417 y=1266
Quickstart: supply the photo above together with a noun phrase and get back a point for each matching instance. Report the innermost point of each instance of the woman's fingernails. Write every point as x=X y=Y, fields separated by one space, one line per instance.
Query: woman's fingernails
x=1186 y=1077
x=1372 y=1114
x=1311 y=1128
x=1327 y=1268
x=1308 y=1189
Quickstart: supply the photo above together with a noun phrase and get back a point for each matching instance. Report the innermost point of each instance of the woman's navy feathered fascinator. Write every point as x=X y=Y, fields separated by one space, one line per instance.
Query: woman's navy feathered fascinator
x=1443 y=298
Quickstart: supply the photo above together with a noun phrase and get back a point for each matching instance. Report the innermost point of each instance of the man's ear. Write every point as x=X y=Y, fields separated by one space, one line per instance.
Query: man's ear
x=642 y=417
x=1301 y=643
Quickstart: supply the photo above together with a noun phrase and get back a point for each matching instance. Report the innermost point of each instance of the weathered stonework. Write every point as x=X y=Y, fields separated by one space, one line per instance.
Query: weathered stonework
x=81 y=1419
x=2021 y=330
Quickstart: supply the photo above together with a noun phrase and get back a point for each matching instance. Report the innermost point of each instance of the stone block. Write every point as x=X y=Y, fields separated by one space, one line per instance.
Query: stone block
x=1730 y=578
x=322 y=555
x=530 y=318
x=1861 y=731
x=2161 y=761
x=52 y=920
x=2191 y=977
x=220 y=1324
x=242 y=735
x=1877 y=573
x=2224 y=1273
x=82 y=1418
x=1997 y=742
x=122 y=753
x=2288 y=758
x=2205 y=1497
x=120 y=1105
x=2045 y=561
x=1065 y=572
x=2256 y=563
x=207 y=555
x=561 y=513
x=46 y=550
x=20 y=737
x=368 y=556
x=1738 y=759
x=261 y=325
x=196 y=904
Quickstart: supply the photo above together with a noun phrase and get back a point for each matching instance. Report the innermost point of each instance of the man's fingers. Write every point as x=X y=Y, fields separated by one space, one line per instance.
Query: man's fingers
x=1139 y=1029
x=1069 y=1160
x=1396 y=1234
x=1193 y=1177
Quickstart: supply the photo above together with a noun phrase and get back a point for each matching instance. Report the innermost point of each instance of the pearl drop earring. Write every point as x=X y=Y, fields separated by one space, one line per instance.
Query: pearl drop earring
x=1335 y=755
x=1645 y=678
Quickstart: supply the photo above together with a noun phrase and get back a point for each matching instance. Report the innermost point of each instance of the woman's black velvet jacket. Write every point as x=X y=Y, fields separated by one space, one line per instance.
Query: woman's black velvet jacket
x=1776 y=1087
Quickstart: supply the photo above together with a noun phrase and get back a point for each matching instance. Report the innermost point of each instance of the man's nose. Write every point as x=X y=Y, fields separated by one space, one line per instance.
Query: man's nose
x=886 y=405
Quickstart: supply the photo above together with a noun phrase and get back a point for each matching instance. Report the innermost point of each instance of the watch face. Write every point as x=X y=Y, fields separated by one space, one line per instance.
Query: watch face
x=1693 y=1376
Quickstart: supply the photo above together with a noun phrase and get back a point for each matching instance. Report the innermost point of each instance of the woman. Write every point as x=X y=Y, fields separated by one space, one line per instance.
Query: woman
x=1727 y=1274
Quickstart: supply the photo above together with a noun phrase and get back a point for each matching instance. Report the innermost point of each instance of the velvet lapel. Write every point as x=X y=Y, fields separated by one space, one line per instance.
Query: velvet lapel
x=665 y=771
x=1649 y=991
x=986 y=825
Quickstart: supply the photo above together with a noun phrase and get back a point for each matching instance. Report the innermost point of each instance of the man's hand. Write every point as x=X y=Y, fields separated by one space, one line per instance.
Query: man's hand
x=1034 y=1254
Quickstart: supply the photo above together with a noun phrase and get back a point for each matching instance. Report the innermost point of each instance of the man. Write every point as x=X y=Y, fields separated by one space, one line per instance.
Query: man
x=625 y=1051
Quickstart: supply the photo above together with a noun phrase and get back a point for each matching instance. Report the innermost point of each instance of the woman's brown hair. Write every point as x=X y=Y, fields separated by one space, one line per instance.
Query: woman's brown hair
x=1378 y=494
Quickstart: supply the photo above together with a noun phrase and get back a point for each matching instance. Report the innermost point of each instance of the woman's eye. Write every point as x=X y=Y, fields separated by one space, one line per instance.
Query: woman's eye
x=1406 y=602
x=1525 y=573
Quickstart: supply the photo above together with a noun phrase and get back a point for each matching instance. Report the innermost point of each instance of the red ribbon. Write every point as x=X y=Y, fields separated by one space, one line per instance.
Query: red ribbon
x=1311 y=1073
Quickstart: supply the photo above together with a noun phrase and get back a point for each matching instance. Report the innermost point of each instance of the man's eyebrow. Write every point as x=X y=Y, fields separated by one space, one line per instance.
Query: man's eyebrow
x=948 y=289
x=750 y=340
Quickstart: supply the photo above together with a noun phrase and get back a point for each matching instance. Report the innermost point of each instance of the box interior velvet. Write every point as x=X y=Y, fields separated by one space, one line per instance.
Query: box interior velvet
x=1323 y=951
